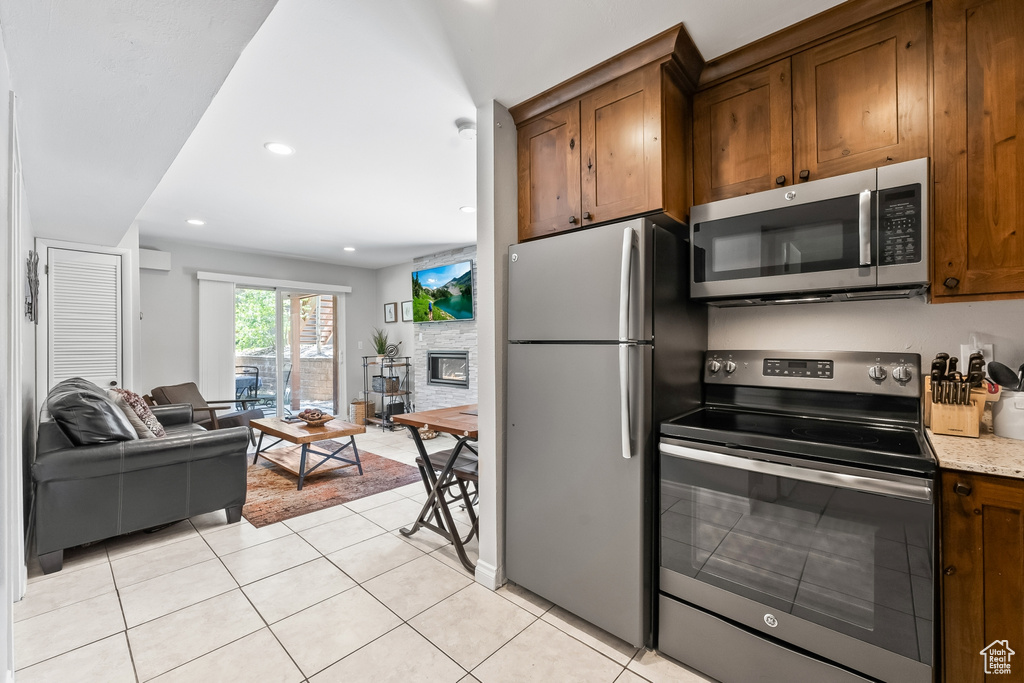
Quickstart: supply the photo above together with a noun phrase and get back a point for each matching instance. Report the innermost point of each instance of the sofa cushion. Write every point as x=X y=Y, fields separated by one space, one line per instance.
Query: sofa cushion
x=138 y=413
x=86 y=415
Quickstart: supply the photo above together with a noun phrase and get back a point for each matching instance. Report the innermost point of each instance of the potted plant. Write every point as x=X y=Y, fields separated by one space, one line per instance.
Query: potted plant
x=380 y=343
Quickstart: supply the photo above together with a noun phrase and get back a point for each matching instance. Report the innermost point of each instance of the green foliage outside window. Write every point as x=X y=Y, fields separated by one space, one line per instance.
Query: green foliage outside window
x=254 y=319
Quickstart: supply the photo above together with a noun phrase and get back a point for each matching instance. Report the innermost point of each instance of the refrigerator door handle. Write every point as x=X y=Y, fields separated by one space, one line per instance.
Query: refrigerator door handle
x=624 y=411
x=629 y=243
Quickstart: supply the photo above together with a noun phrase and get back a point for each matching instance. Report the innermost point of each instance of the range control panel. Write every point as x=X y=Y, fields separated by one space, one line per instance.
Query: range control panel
x=795 y=367
x=899 y=225
x=869 y=372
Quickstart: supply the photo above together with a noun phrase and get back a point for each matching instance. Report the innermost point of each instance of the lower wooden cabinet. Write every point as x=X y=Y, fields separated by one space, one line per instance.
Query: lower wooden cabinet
x=982 y=568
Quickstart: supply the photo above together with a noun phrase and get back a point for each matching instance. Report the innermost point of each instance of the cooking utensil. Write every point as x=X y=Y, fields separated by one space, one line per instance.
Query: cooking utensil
x=1020 y=373
x=951 y=369
x=1003 y=376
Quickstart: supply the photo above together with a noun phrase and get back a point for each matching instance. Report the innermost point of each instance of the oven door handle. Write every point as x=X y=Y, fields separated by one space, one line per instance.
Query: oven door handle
x=908 y=488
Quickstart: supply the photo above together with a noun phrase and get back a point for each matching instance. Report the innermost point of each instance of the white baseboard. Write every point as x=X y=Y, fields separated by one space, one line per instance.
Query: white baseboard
x=489 y=576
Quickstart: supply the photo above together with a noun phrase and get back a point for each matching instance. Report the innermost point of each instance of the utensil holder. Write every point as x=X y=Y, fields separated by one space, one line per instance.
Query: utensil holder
x=1008 y=415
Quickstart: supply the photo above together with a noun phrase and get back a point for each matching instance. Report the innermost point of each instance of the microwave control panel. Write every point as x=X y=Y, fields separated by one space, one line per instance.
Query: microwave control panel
x=899 y=225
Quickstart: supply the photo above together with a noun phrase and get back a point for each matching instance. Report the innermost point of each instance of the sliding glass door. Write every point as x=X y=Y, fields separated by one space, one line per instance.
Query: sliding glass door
x=286 y=355
x=309 y=353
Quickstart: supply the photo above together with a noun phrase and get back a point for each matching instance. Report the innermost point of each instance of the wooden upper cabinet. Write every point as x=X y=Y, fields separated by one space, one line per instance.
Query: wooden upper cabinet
x=549 y=172
x=611 y=142
x=613 y=158
x=617 y=151
x=982 y=570
x=743 y=135
x=861 y=100
x=978 y=161
x=621 y=158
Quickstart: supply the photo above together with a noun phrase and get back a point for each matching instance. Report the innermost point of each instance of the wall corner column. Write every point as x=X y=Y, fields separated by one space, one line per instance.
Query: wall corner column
x=496 y=229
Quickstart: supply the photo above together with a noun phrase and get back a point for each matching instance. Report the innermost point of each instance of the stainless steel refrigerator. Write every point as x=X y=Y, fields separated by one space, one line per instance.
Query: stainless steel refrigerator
x=603 y=345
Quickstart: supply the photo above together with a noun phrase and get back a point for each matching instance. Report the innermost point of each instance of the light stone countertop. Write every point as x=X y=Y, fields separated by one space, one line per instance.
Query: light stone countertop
x=988 y=454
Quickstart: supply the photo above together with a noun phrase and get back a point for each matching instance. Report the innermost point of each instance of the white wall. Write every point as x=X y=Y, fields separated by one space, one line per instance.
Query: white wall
x=394 y=285
x=899 y=325
x=12 y=270
x=170 y=307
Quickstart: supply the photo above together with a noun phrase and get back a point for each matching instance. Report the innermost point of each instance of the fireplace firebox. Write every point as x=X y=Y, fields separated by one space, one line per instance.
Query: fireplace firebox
x=450 y=368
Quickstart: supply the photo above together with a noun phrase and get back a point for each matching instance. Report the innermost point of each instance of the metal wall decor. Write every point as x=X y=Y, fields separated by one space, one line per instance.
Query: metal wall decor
x=32 y=296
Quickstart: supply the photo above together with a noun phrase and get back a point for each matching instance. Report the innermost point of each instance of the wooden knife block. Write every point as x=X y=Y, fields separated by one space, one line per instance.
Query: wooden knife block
x=955 y=420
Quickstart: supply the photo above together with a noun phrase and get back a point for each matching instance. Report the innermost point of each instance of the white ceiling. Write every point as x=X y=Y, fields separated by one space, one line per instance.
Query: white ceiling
x=367 y=91
x=107 y=92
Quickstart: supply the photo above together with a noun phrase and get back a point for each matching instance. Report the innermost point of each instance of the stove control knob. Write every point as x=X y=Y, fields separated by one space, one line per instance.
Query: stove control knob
x=730 y=367
x=877 y=373
x=714 y=365
x=902 y=373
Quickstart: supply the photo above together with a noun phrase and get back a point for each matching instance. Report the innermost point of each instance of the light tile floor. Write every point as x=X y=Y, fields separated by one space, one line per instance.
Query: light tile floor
x=334 y=596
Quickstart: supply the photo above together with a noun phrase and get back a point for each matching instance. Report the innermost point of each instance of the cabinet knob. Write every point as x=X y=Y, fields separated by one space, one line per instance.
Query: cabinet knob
x=805 y=174
x=572 y=143
x=587 y=216
x=962 y=489
x=572 y=220
x=950 y=571
x=781 y=180
x=951 y=283
x=113 y=382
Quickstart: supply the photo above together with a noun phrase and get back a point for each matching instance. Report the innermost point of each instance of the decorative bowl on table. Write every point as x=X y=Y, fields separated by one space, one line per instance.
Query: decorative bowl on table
x=315 y=418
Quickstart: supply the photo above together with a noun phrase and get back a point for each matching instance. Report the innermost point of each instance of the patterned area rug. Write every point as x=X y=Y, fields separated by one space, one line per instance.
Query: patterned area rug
x=272 y=495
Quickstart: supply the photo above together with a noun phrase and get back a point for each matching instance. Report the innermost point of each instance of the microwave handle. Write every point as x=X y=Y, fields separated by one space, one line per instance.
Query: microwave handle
x=864 y=228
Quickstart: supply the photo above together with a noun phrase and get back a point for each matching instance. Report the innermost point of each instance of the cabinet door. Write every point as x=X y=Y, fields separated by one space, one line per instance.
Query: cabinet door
x=983 y=570
x=621 y=155
x=743 y=135
x=979 y=151
x=549 y=173
x=861 y=101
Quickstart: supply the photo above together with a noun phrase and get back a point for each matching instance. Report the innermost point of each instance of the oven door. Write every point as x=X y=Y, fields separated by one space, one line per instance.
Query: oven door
x=834 y=560
x=813 y=237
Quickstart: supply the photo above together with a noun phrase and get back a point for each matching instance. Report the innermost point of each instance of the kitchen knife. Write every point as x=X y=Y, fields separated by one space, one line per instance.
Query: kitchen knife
x=951 y=369
x=976 y=377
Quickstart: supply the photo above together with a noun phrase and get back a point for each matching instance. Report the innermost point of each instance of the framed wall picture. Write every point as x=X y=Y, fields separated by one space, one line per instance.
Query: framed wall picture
x=391 y=312
x=406 y=311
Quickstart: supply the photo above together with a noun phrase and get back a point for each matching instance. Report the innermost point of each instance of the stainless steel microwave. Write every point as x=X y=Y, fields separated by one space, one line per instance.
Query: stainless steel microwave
x=862 y=235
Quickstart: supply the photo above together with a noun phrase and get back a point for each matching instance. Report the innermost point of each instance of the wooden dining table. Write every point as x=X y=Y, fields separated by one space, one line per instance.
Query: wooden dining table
x=460 y=422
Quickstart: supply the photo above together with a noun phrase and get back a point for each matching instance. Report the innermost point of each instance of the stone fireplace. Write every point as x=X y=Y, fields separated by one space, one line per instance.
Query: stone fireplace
x=432 y=337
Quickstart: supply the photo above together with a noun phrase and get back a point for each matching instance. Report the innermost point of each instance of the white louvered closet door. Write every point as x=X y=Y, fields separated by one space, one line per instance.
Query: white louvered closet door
x=85 y=319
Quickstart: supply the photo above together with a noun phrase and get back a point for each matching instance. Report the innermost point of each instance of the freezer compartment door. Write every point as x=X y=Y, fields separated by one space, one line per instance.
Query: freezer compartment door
x=570 y=287
x=576 y=509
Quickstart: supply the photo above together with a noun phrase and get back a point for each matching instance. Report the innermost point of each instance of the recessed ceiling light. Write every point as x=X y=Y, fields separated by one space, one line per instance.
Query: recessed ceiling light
x=467 y=209
x=350 y=248
x=196 y=221
x=279 y=148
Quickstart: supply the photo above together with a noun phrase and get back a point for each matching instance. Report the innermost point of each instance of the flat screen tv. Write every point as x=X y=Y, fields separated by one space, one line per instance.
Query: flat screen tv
x=444 y=293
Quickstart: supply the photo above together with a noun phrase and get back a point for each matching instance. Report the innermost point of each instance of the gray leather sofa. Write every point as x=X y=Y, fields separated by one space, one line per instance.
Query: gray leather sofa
x=87 y=493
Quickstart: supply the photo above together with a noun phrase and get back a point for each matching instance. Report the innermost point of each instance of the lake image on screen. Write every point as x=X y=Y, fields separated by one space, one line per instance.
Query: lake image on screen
x=443 y=293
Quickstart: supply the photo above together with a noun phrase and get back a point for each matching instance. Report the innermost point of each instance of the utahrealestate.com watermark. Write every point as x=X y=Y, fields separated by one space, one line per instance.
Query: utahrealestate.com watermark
x=997 y=657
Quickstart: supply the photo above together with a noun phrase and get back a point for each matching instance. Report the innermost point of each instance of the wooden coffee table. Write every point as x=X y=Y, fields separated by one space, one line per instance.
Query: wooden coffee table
x=300 y=434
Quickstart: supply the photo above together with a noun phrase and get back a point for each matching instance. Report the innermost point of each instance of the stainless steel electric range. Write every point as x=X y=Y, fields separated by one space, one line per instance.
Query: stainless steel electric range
x=798 y=521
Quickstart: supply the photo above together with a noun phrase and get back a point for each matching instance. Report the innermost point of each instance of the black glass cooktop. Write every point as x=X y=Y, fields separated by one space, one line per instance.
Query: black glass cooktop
x=859 y=443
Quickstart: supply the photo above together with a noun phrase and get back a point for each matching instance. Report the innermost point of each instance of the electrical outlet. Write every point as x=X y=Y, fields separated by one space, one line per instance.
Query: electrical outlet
x=967 y=349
